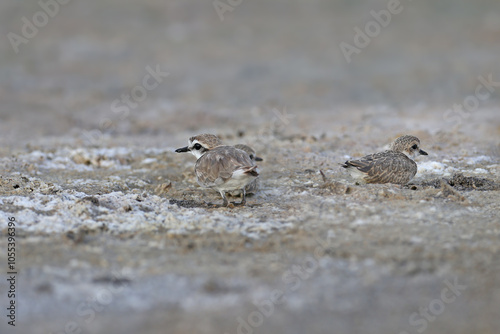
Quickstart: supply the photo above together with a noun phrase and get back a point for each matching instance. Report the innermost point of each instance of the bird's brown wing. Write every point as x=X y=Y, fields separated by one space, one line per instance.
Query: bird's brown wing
x=218 y=165
x=385 y=167
x=363 y=165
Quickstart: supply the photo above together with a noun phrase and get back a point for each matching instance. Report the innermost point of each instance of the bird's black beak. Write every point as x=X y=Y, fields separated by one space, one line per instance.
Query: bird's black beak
x=422 y=152
x=258 y=159
x=182 y=150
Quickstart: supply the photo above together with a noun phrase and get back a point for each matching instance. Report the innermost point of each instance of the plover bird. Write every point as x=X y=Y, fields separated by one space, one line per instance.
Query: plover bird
x=392 y=166
x=253 y=186
x=220 y=167
x=250 y=151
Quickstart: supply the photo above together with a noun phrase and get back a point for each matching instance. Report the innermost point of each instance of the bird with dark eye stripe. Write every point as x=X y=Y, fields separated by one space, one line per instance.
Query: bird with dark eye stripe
x=220 y=167
x=395 y=165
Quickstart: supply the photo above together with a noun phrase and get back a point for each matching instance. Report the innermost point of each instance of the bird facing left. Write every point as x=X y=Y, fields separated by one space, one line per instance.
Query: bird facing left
x=220 y=167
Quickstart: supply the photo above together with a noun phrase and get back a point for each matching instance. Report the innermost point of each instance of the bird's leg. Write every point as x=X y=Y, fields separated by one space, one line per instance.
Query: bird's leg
x=243 y=194
x=225 y=201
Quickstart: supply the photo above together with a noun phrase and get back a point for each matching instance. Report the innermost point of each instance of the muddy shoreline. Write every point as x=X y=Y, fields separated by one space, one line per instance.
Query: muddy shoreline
x=113 y=233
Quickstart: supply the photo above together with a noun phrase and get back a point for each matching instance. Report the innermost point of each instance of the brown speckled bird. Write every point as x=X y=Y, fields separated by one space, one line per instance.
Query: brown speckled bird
x=220 y=167
x=392 y=166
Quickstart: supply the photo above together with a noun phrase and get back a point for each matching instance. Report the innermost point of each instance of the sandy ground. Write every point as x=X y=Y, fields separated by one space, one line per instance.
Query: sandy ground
x=113 y=234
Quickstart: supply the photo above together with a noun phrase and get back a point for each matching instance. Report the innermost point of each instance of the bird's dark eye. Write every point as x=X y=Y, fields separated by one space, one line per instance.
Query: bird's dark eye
x=415 y=146
x=251 y=156
x=197 y=146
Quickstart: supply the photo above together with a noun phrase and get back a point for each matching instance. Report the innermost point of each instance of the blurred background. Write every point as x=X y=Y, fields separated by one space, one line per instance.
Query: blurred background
x=327 y=79
x=231 y=63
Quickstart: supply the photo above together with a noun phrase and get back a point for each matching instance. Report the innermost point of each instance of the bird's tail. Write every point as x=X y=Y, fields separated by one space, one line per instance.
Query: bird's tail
x=251 y=170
